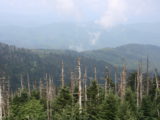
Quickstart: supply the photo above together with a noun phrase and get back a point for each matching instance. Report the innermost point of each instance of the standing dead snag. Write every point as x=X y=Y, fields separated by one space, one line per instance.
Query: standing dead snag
x=1 y=103
x=22 y=85
x=147 y=90
x=29 y=89
x=107 y=83
x=41 y=89
x=62 y=75
x=157 y=88
x=85 y=87
x=115 y=80
x=95 y=78
x=157 y=82
x=123 y=83
x=139 y=91
x=49 y=95
x=4 y=96
x=79 y=85
x=95 y=73
x=72 y=83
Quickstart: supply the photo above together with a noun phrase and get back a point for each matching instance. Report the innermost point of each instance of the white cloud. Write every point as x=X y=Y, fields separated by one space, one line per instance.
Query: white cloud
x=94 y=37
x=78 y=48
x=119 y=11
x=107 y=13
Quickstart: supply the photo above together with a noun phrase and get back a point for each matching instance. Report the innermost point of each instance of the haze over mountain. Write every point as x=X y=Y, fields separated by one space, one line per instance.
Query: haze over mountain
x=79 y=24
x=80 y=36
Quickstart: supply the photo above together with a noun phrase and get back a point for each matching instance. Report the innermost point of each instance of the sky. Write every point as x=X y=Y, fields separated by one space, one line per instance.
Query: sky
x=106 y=13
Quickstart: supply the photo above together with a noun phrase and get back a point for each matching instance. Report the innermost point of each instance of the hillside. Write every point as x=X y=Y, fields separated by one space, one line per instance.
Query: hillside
x=129 y=54
x=37 y=62
x=16 y=61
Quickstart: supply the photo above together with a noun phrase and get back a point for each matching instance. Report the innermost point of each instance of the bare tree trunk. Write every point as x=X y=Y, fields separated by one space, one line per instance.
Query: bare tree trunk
x=1 y=103
x=106 y=86
x=22 y=86
x=95 y=78
x=123 y=84
x=48 y=97
x=72 y=83
x=40 y=89
x=79 y=86
x=29 y=89
x=85 y=87
x=139 y=85
x=157 y=82
x=137 y=91
x=147 y=76
x=62 y=75
x=4 y=97
x=95 y=73
x=115 y=80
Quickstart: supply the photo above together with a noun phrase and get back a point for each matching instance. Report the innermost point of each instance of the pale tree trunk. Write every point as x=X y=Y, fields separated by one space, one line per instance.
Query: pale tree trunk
x=50 y=97
x=79 y=86
x=22 y=86
x=41 y=89
x=123 y=84
x=147 y=76
x=4 y=97
x=157 y=82
x=139 y=85
x=115 y=80
x=72 y=83
x=1 y=103
x=157 y=89
x=107 y=84
x=137 y=91
x=85 y=87
x=62 y=75
x=95 y=73
x=95 y=78
x=29 y=89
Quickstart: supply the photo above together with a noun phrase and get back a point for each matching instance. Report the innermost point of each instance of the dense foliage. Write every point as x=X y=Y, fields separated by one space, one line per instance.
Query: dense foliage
x=98 y=106
x=16 y=62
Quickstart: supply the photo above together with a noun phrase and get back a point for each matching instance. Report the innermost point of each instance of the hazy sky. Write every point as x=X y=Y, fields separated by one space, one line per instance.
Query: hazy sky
x=106 y=13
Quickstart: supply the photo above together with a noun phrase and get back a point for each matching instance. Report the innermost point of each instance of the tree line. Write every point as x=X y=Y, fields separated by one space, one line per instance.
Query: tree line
x=129 y=96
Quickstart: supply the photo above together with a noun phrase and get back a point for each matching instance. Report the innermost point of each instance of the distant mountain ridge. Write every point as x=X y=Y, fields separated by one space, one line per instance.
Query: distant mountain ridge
x=79 y=37
x=130 y=54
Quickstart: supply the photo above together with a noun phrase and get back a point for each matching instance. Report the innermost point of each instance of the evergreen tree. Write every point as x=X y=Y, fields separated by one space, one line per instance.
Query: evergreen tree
x=93 y=103
x=109 y=108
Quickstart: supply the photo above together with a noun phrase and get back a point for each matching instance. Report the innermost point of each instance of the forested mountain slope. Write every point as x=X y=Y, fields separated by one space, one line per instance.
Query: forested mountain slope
x=129 y=54
x=16 y=62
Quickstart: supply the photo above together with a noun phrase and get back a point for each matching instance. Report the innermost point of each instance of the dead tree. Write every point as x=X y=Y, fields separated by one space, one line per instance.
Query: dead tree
x=115 y=80
x=41 y=89
x=4 y=96
x=28 y=81
x=85 y=87
x=1 y=103
x=95 y=73
x=79 y=85
x=62 y=75
x=147 y=87
x=22 y=85
x=123 y=83
x=157 y=82
x=95 y=78
x=72 y=83
x=49 y=95
x=139 y=90
x=107 y=83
